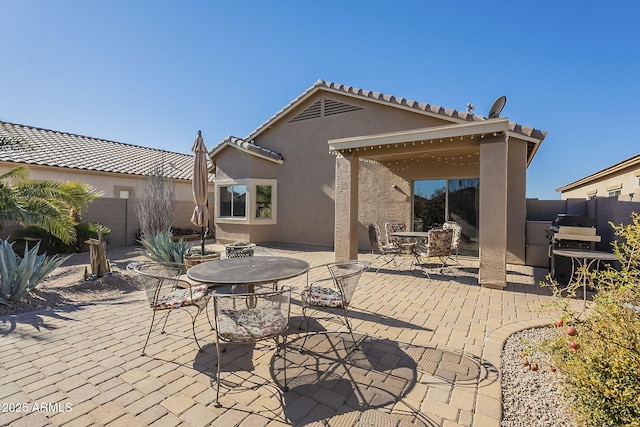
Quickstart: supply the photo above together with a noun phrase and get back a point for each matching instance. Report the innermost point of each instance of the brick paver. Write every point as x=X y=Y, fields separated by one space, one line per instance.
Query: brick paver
x=427 y=352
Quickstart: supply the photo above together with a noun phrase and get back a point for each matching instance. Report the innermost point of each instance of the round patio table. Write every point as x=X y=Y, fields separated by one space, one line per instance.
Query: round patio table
x=249 y=271
x=411 y=234
x=584 y=258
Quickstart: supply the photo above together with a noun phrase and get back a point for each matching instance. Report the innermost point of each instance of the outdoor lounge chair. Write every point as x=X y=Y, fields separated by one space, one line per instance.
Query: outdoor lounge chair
x=249 y=318
x=455 y=239
x=333 y=290
x=437 y=245
x=167 y=291
x=387 y=252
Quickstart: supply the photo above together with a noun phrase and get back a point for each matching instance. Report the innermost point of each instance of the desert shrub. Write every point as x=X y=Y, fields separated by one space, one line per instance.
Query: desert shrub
x=19 y=276
x=601 y=371
x=155 y=205
x=160 y=247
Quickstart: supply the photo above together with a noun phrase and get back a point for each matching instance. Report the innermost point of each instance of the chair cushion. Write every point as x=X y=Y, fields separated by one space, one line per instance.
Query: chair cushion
x=323 y=297
x=251 y=324
x=181 y=297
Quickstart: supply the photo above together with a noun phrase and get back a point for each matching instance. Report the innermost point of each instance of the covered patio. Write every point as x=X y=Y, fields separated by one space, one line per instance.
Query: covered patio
x=496 y=151
x=429 y=355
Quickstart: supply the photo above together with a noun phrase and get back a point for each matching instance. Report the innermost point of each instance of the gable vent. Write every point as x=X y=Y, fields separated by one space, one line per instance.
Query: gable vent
x=324 y=107
x=332 y=107
x=313 y=112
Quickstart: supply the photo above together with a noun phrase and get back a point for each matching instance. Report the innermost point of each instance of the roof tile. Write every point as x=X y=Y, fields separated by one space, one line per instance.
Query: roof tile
x=54 y=148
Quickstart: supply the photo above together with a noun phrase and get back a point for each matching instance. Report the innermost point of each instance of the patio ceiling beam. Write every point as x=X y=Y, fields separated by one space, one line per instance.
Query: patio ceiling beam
x=428 y=134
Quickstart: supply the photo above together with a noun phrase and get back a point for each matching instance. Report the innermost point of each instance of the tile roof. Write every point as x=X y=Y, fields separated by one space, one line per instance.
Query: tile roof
x=54 y=148
x=247 y=146
x=432 y=110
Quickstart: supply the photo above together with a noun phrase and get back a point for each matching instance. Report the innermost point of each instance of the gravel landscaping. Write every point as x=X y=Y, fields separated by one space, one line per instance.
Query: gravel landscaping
x=530 y=396
x=66 y=285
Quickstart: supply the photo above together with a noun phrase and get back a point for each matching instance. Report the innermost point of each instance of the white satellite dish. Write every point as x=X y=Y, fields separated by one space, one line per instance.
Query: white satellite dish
x=497 y=107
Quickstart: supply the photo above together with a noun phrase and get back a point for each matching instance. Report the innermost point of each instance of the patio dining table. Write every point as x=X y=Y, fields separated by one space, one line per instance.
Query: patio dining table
x=415 y=235
x=249 y=271
x=584 y=258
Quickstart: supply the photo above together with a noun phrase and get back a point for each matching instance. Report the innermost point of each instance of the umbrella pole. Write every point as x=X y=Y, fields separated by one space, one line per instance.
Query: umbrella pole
x=202 y=241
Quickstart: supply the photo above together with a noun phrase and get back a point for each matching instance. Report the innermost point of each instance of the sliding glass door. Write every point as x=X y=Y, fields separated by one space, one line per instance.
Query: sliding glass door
x=435 y=201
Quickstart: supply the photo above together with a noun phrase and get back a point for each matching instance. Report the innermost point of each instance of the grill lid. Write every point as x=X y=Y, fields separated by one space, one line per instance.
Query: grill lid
x=573 y=221
x=572 y=227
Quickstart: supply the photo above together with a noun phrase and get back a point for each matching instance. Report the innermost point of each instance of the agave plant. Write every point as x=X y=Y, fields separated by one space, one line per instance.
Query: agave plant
x=19 y=277
x=160 y=247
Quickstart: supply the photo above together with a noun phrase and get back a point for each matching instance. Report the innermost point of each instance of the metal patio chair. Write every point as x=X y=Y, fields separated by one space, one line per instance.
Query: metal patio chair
x=387 y=252
x=437 y=245
x=333 y=290
x=391 y=227
x=455 y=239
x=167 y=290
x=249 y=318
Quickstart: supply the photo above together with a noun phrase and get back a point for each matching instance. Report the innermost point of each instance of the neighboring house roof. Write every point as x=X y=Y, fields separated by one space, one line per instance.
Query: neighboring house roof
x=627 y=163
x=248 y=147
x=532 y=135
x=60 y=149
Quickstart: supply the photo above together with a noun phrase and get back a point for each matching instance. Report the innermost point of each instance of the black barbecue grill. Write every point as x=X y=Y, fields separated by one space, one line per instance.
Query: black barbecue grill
x=569 y=231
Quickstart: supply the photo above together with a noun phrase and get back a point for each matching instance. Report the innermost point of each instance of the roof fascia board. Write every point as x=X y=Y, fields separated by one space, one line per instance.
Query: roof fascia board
x=50 y=168
x=312 y=91
x=395 y=105
x=224 y=145
x=601 y=174
x=463 y=129
x=289 y=107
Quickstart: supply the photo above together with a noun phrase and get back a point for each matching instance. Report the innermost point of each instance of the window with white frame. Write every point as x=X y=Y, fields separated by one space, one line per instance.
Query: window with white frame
x=122 y=192
x=233 y=201
x=250 y=201
x=614 y=190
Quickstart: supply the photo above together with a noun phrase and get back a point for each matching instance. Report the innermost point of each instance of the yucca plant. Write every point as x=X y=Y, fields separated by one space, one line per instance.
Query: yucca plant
x=19 y=277
x=160 y=247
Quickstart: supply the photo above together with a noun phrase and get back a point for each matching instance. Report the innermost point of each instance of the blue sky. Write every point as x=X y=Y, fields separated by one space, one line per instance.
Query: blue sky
x=154 y=72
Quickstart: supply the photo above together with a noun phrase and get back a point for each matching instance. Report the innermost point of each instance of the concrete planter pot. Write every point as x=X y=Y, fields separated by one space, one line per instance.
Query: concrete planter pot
x=195 y=259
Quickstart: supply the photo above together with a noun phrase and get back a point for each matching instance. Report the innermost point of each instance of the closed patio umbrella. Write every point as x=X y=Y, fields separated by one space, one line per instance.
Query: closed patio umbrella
x=200 y=185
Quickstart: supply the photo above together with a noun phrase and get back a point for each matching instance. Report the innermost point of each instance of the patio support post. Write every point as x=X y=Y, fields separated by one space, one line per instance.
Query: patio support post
x=493 y=211
x=346 y=202
x=517 y=201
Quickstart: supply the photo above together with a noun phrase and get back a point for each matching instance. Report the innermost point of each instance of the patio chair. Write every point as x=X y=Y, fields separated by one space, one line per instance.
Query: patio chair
x=167 y=290
x=387 y=252
x=333 y=290
x=437 y=245
x=391 y=227
x=455 y=239
x=249 y=318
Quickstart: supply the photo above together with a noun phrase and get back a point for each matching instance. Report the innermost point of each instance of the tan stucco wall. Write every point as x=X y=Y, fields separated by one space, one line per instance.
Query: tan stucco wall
x=306 y=179
x=104 y=182
x=629 y=178
x=109 y=212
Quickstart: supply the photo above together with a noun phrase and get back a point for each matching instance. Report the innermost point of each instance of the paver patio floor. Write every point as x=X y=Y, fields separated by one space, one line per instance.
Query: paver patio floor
x=427 y=353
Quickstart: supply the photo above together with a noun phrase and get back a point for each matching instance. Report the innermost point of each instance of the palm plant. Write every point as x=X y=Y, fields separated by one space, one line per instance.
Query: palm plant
x=47 y=204
x=20 y=276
